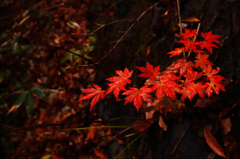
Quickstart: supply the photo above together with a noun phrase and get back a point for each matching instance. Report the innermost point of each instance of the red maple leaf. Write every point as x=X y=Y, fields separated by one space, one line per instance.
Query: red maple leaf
x=149 y=72
x=192 y=89
x=189 y=34
x=184 y=66
x=188 y=44
x=95 y=92
x=137 y=95
x=214 y=84
x=211 y=74
x=177 y=51
x=193 y=75
x=166 y=86
x=209 y=38
x=119 y=82
x=202 y=61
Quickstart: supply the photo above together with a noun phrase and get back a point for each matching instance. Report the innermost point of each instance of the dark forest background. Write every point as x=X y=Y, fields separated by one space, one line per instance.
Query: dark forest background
x=36 y=37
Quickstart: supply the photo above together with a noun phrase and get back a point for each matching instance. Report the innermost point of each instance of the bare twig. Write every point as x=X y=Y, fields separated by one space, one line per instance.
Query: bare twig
x=61 y=73
x=85 y=59
x=128 y=135
x=107 y=10
x=152 y=35
x=103 y=25
x=180 y=139
x=60 y=5
x=179 y=16
x=66 y=123
x=127 y=31
x=180 y=21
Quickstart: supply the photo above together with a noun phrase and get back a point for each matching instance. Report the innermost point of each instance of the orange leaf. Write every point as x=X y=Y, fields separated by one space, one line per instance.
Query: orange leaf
x=14 y=107
x=161 y=123
x=190 y=19
x=98 y=153
x=212 y=143
x=177 y=51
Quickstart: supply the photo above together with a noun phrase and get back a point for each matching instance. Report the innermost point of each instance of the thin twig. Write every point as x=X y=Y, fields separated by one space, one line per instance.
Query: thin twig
x=130 y=144
x=127 y=31
x=179 y=16
x=61 y=73
x=60 y=5
x=58 y=124
x=103 y=25
x=180 y=21
x=180 y=139
x=85 y=59
x=128 y=135
x=152 y=35
x=107 y=10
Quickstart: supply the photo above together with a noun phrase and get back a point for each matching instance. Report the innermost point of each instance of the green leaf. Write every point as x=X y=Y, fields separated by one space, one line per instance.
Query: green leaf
x=21 y=98
x=66 y=58
x=93 y=39
x=39 y=92
x=29 y=104
x=88 y=48
x=80 y=53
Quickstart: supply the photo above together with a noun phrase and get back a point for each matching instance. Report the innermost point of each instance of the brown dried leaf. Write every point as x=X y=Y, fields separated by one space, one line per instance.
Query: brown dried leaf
x=142 y=126
x=212 y=143
x=162 y=124
x=226 y=125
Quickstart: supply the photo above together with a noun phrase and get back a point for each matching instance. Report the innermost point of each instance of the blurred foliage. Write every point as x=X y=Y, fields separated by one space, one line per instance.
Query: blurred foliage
x=32 y=91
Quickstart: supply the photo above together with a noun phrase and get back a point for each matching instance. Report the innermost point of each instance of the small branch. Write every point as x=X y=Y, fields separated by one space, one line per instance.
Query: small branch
x=179 y=16
x=180 y=139
x=127 y=31
x=60 y=5
x=152 y=35
x=85 y=59
x=128 y=135
x=130 y=144
x=107 y=10
x=180 y=22
x=103 y=25
x=61 y=73
x=59 y=124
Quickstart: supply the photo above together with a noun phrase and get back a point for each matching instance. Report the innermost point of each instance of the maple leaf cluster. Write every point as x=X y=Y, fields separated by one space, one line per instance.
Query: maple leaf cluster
x=188 y=81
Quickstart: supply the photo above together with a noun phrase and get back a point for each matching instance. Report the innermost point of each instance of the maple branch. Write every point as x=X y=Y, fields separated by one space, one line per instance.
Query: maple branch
x=127 y=31
x=180 y=21
x=179 y=16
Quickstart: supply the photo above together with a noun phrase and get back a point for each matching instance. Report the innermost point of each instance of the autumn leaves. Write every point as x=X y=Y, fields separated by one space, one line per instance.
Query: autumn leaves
x=193 y=77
